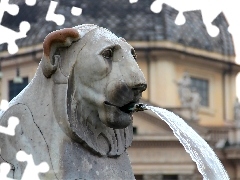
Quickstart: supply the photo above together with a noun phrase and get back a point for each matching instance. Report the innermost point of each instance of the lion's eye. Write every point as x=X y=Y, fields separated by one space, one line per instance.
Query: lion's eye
x=107 y=53
x=134 y=54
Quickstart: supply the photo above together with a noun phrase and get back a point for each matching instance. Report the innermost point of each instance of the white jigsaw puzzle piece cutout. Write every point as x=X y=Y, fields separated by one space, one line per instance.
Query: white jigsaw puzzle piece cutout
x=12 y=124
x=12 y=9
x=5 y=167
x=31 y=171
x=133 y=1
x=4 y=105
x=76 y=11
x=30 y=2
x=180 y=19
x=59 y=19
x=12 y=36
x=7 y=35
x=208 y=13
x=4 y=170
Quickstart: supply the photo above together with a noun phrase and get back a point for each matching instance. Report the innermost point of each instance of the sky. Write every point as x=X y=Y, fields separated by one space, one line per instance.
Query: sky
x=210 y=9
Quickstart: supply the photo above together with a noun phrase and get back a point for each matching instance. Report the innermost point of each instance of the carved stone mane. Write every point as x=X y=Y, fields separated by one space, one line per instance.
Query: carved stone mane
x=95 y=135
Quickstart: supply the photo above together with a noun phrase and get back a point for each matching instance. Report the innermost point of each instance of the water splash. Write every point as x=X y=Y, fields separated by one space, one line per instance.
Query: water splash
x=207 y=162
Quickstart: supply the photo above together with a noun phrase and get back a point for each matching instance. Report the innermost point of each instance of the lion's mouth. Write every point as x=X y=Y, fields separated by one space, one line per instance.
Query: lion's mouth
x=127 y=108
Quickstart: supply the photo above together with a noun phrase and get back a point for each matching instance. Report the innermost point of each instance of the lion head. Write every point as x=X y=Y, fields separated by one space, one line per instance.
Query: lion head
x=100 y=81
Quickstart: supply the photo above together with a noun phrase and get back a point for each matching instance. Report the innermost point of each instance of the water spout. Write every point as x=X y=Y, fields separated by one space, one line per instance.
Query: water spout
x=139 y=107
x=207 y=162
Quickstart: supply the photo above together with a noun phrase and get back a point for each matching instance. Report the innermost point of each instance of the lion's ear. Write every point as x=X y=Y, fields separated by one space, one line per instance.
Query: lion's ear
x=53 y=41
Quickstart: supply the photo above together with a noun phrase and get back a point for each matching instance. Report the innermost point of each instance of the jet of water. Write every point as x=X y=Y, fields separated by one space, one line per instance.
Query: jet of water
x=207 y=162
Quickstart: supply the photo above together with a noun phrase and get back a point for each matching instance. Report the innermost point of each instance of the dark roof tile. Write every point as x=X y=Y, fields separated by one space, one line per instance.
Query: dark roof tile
x=134 y=22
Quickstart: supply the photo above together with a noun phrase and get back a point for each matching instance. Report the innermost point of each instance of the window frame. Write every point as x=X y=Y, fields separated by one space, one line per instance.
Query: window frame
x=20 y=87
x=203 y=74
x=205 y=101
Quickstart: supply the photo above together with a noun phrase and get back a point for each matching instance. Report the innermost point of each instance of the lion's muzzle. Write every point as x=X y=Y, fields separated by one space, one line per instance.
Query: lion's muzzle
x=120 y=102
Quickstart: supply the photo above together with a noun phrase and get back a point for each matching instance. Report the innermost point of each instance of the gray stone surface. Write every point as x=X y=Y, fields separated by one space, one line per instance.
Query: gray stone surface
x=74 y=113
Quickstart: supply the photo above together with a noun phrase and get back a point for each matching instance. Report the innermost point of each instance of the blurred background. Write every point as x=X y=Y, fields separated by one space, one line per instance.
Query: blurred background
x=187 y=54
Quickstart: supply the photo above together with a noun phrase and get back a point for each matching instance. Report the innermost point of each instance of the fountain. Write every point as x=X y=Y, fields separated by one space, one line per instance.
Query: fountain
x=76 y=114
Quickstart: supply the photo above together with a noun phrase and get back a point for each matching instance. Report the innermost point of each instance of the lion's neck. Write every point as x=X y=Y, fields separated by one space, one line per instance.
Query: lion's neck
x=86 y=125
x=97 y=136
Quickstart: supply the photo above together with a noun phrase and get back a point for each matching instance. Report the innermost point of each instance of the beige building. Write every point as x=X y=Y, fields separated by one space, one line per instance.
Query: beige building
x=166 y=53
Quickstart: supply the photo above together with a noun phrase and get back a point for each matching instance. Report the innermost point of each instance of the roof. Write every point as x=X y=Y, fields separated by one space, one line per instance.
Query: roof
x=134 y=22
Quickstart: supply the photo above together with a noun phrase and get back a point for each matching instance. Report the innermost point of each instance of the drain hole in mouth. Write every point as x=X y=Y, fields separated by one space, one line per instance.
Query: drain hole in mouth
x=128 y=108
x=108 y=103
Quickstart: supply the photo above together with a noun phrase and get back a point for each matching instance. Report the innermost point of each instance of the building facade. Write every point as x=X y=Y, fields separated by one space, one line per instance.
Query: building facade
x=167 y=53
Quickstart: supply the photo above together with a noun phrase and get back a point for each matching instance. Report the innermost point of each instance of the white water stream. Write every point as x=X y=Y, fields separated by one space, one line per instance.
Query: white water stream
x=207 y=162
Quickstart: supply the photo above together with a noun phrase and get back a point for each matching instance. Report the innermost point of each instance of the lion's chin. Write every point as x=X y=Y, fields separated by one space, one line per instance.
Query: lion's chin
x=115 y=118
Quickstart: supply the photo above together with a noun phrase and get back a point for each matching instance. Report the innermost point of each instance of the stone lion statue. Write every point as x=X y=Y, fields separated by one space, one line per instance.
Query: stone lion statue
x=76 y=113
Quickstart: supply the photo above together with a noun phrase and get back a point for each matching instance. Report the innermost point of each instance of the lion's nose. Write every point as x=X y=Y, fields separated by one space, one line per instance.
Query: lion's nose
x=139 y=87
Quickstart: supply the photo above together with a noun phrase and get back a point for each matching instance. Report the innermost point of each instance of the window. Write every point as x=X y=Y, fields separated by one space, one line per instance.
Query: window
x=16 y=88
x=202 y=87
x=170 y=177
x=134 y=130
